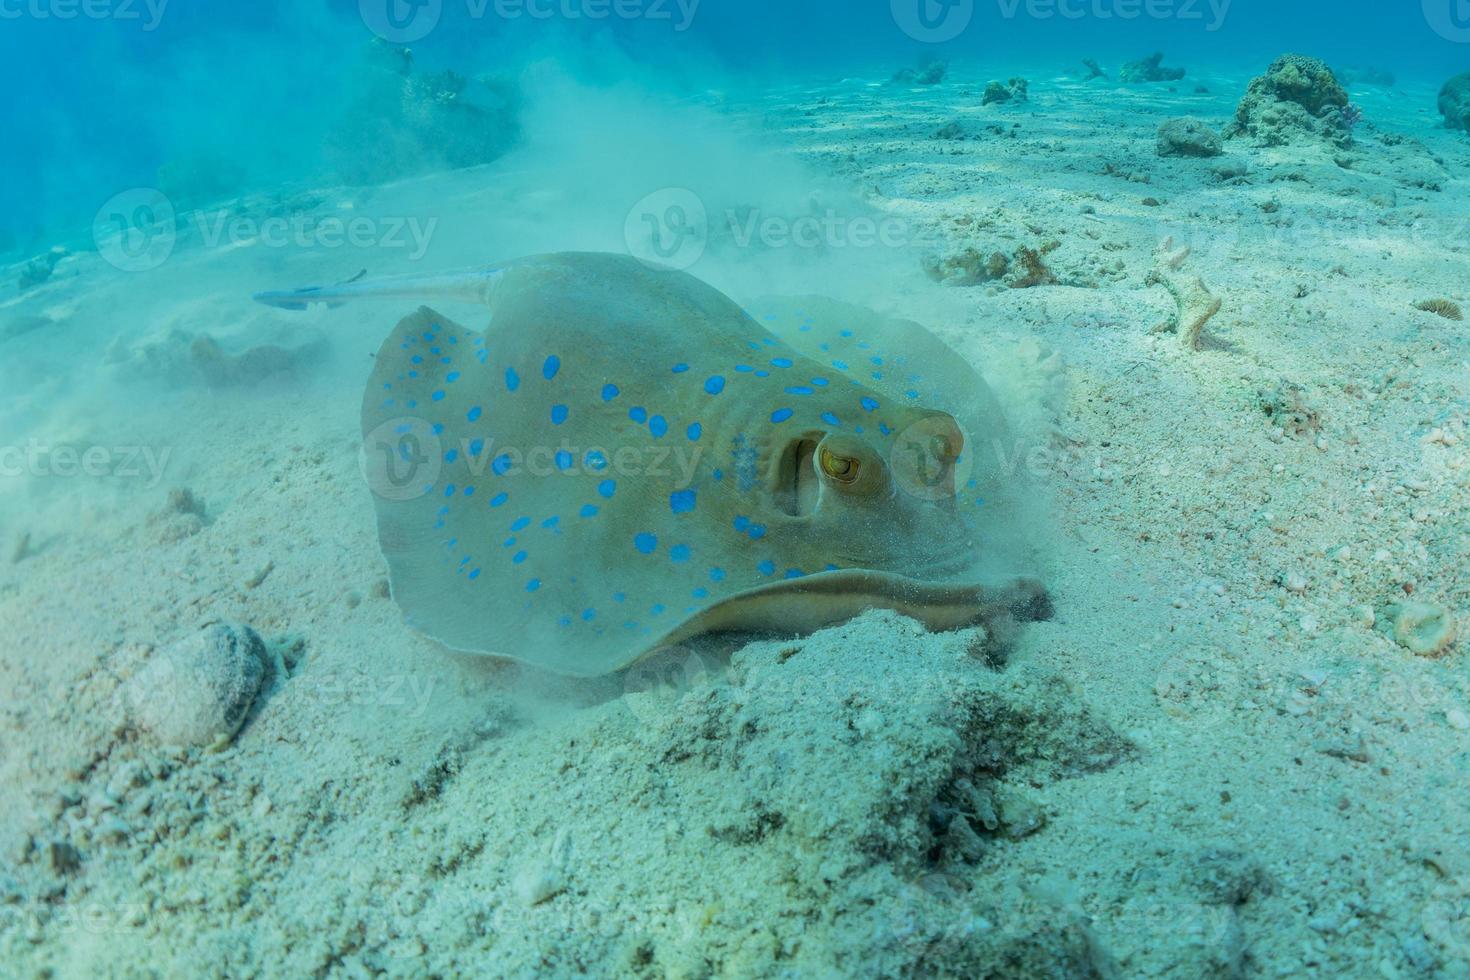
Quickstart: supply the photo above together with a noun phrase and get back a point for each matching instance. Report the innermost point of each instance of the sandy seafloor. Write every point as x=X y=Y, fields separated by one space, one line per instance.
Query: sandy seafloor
x=1209 y=764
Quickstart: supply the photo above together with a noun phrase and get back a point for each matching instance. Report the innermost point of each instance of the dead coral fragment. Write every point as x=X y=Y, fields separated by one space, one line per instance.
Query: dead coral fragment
x=1441 y=307
x=1423 y=629
x=1149 y=69
x=1196 y=304
x=1298 y=96
x=1014 y=90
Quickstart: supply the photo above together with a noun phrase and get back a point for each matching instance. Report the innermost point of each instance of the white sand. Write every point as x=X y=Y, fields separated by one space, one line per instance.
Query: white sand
x=1232 y=777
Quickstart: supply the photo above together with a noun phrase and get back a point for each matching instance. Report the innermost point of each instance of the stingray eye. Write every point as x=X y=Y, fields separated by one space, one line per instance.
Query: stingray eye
x=842 y=469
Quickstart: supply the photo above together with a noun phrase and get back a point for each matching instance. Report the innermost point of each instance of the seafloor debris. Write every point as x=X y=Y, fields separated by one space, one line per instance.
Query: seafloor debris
x=1297 y=97
x=975 y=267
x=1287 y=409
x=39 y=269
x=403 y=122
x=1093 y=69
x=1422 y=628
x=1150 y=69
x=1188 y=137
x=1441 y=307
x=1454 y=102
x=1196 y=304
x=928 y=73
x=198 y=691
x=1015 y=90
x=22 y=548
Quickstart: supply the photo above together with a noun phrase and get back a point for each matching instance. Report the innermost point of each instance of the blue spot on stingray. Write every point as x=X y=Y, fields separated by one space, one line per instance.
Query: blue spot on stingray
x=781 y=415
x=499 y=499
x=715 y=385
x=438 y=396
x=551 y=522
x=502 y=465
x=700 y=592
x=512 y=380
x=744 y=368
x=682 y=501
x=521 y=524
x=820 y=382
x=451 y=456
x=645 y=543
x=763 y=374
x=717 y=575
x=658 y=609
x=840 y=365
x=482 y=356
x=795 y=573
x=766 y=567
x=679 y=552
x=846 y=333
x=564 y=460
x=474 y=414
x=620 y=597
x=589 y=510
x=781 y=362
x=911 y=394
x=452 y=377
x=559 y=414
x=680 y=368
x=417 y=359
x=449 y=490
x=609 y=392
x=607 y=488
x=588 y=615
x=469 y=491
x=520 y=557
x=877 y=361
x=883 y=428
x=549 y=369
x=757 y=531
x=742 y=524
x=533 y=585
x=477 y=446
x=695 y=431
x=871 y=404
x=596 y=460
x=638 y=414
x=474 y=575
x=831 y=419
x=413 y=404
x=799 y=390
x=564 y=621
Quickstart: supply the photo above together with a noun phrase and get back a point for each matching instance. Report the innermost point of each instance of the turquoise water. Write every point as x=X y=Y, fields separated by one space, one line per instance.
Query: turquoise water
x=98 y=101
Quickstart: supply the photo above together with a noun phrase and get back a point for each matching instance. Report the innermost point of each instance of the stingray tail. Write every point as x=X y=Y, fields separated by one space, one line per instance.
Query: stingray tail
x=472 y=286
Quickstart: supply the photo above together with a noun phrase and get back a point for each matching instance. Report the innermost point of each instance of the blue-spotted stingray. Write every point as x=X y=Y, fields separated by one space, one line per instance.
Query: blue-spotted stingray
x=622 y=458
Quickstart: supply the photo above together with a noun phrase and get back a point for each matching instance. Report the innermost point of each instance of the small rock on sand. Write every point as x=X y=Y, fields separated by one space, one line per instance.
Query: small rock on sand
x=1189 y=137
x=198 y=691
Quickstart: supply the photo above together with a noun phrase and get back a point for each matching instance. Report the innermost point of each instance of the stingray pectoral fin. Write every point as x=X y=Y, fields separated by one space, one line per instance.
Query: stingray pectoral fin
x=806 y=605
x=474 y=286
